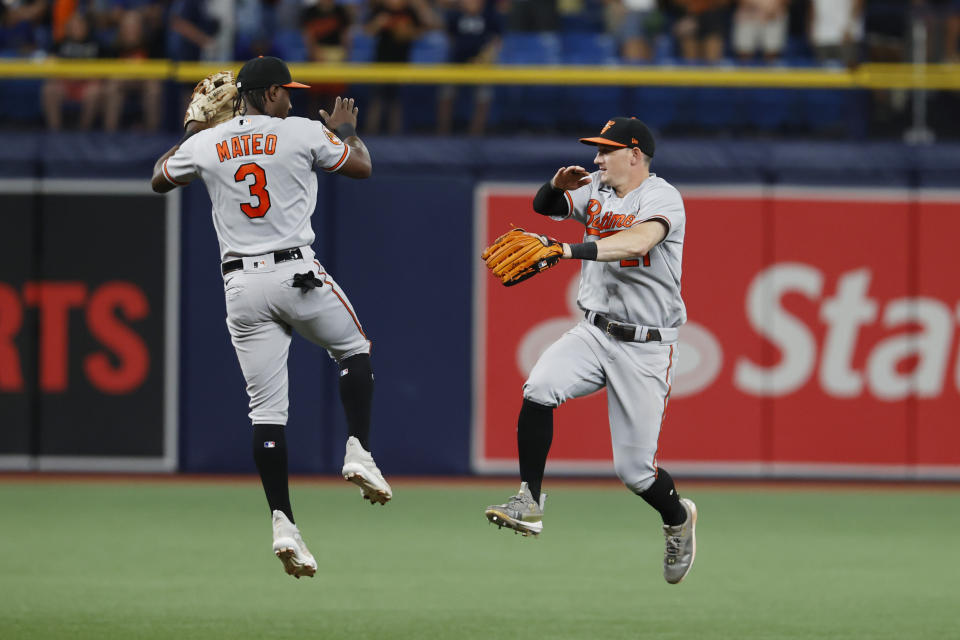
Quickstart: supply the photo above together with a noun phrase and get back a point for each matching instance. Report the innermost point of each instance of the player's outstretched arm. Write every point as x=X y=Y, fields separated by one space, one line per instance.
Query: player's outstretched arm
x=159 y=182
x=343 y=122
x=630 y=243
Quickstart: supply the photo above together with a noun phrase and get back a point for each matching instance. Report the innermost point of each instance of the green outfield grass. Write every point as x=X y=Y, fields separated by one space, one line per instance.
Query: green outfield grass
x=179 y=560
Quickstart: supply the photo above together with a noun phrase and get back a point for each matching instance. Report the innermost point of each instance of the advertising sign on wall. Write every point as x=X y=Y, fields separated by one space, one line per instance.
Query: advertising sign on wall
x=821 y=341
x=88 y=320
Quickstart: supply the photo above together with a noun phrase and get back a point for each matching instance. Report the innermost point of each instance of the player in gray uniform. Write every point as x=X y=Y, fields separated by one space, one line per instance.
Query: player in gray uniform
x=627 y=342
x=259 y=169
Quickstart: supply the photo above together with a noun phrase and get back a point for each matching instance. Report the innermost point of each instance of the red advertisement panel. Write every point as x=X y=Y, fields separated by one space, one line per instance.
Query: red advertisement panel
x=937 y=437
x=820 y=341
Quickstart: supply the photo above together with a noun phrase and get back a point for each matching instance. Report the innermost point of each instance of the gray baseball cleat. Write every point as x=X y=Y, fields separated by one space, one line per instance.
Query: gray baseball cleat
x=681 y=545
x=360 y=469
x=290 y=548
x=520 y=513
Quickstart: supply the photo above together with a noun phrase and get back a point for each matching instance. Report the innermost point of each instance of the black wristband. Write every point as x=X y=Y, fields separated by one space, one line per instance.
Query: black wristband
x=584 y=251
x=345 y=131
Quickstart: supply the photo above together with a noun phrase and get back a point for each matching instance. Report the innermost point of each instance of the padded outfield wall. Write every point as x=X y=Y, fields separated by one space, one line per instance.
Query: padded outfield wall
x=821 y=283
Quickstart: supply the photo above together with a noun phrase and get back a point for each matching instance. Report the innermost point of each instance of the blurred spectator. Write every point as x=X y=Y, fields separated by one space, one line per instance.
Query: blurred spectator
x=77 y=41
x=635 y=24
x=20 y=22
x=326 y=27
x=532 y=15
x=760 y=25
x=701 y=29
x=131 y=44
x=61 y=11
x=222 y=14
x=939 y=19
x=952 y=45
x=107 y=15
x=255 y=23
x=192 y=29
x=887 y=29
x=473 y=31
x=395 y=24
x=836 y=27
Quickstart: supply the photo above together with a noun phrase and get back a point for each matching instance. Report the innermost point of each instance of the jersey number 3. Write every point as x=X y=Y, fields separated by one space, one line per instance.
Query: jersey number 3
x=258 y=189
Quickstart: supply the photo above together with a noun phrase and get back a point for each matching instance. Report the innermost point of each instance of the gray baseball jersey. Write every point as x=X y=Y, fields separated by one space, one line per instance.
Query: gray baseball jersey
x=260 y=174
x=646 y=290
x=641 y=291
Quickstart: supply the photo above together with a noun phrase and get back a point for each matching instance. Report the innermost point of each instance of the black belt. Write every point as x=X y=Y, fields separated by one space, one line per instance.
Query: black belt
x=623 y=331
x=278 y=256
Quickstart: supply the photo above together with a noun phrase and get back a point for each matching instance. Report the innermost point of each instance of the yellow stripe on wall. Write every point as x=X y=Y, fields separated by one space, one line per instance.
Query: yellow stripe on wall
x=866 y=76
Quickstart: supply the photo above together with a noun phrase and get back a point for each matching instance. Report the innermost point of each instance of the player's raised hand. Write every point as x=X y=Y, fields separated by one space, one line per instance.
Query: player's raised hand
x=343 y=113
x=570 y=178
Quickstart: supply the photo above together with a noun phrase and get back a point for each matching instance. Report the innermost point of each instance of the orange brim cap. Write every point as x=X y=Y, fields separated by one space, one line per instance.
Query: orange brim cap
x=605 y=141
x=295 y=85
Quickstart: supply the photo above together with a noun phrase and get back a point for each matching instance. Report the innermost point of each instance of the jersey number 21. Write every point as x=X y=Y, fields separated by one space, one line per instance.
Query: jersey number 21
x=258 y=189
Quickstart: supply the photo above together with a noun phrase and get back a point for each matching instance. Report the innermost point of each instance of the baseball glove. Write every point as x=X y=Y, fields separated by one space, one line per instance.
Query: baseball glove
x=212 y=99
x=518 y=255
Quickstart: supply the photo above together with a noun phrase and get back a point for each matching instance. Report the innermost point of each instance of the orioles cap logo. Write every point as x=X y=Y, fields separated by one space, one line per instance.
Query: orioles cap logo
x=609 y=124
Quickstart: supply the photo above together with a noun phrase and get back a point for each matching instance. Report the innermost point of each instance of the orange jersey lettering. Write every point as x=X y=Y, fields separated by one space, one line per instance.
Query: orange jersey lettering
x=223 y=151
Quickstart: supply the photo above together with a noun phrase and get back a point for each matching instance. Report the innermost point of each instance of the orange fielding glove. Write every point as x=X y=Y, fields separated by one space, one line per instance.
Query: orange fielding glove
x=518 y=255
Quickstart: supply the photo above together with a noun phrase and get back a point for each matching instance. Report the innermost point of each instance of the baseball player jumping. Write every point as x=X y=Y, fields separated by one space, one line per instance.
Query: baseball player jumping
x=258 y=167
x=627 y=341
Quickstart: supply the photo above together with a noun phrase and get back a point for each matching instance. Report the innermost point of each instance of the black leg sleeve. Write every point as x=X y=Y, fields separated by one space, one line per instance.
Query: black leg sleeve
x=270 y=455
x=356 y=394
x=662 y=496
x=534 y=436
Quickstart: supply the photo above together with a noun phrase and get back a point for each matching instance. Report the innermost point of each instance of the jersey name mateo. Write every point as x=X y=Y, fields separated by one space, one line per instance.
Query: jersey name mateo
x=247 y=145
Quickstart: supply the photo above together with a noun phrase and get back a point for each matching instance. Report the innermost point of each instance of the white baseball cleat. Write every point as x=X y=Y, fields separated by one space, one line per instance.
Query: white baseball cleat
x=521 y=513
x=681 y=545
x=360 y=469
x=290 y=548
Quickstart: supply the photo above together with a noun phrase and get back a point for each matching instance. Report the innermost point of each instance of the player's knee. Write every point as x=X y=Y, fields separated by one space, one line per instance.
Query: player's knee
x=543 y=387
x=360 y=349
x=268 y=415
x=358 y=361
x=635 y=476
x=541 y=393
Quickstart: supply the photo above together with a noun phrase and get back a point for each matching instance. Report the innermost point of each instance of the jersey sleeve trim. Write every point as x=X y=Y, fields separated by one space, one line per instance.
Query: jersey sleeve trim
x=346 y=152
x=663 y=219
x=166 y=174
x=569 y=202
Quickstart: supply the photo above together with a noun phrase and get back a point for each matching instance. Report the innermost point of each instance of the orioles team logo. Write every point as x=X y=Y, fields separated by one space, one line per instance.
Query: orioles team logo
x=609 y=124
x=334 y=139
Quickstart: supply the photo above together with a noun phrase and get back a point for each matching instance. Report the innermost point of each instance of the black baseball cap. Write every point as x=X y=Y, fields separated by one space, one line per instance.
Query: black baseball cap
x=624 y=132
x=264 y=72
